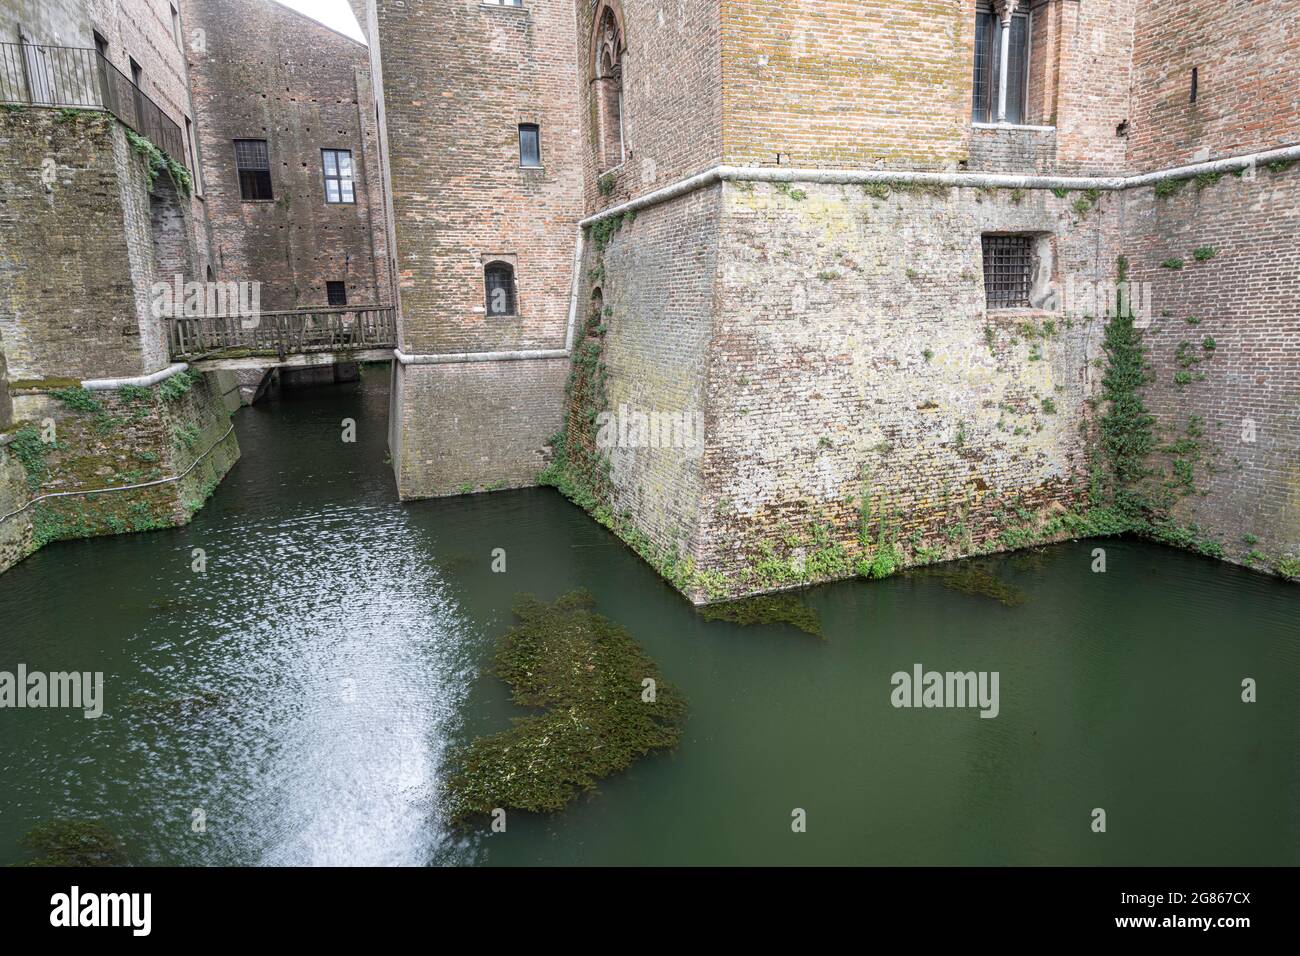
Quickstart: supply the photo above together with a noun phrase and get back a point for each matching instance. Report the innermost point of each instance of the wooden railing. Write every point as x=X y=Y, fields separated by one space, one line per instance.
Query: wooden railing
x=280 y=334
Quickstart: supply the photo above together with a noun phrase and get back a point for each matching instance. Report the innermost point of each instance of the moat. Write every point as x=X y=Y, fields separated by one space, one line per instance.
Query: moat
x=303 y=691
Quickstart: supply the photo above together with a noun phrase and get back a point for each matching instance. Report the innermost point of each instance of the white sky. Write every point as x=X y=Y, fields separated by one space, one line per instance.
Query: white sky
x=335 y=14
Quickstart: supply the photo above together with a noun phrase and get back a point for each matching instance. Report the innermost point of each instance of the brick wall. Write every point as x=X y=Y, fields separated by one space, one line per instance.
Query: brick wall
x=1247 y=55
x=847 y=83
x=658 y=292
x=79 y=252
x=672 y=92
x=266 y=72
x=459 y=78
x=1247 y=384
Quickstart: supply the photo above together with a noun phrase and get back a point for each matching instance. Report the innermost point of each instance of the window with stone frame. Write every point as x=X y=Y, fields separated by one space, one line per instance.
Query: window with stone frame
x=1002 y=43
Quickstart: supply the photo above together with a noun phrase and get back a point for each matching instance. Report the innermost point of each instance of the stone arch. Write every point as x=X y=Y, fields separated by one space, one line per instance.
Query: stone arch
x=607 y=58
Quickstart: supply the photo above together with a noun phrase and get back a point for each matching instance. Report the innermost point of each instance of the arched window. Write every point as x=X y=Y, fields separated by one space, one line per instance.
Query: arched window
x=499 y=286
x=607 y=81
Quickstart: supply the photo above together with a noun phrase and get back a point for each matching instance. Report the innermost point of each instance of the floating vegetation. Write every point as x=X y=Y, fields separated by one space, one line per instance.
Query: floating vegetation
x=604 y=705
x=176 y=706
x=767 y=609
x=974 y=579
x=74 y=843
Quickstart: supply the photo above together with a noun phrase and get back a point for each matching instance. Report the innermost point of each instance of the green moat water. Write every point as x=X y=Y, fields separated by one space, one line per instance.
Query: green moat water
x=338 y=637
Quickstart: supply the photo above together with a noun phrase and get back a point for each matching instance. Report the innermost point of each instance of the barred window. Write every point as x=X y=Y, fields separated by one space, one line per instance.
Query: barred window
x=338 y=175
x=254 y=166
x=499 y=284
x=1008 y=271
x=336 y=293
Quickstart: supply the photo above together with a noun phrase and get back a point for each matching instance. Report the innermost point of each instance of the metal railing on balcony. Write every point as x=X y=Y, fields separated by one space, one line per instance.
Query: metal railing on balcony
x=80 y=78
x=280 y=334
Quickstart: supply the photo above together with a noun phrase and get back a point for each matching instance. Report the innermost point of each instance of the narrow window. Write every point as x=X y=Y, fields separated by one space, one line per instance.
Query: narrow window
x=1000 y=88
x=504 y=3
x=338 y=175
x=1196 y=78
x=607 y=78
x=254 y=166
x=101 y=45
x=1008 y=271
x=336 y=293
x=499 y=284
x=194 y=156
x=176 y=27
x=530 y=145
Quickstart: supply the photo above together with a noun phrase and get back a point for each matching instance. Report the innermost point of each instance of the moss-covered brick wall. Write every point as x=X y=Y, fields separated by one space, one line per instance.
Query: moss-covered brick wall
x=111 y=439
x=1222 y=257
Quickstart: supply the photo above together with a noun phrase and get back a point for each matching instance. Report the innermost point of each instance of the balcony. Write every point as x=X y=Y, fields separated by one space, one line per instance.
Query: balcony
x=79 y=78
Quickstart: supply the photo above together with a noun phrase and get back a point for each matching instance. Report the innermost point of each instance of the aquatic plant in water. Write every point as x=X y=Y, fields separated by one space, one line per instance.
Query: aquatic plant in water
x=767 y=609
x=74 y=843
x=969 y=578
x=604 y=705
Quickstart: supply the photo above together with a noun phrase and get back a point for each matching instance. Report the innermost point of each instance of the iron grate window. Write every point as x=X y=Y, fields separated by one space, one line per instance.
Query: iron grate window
x=254 y=166
x=336 y=293
x=1008 y=271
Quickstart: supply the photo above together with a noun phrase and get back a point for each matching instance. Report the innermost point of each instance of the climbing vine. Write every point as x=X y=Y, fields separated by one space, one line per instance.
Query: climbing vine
x=157 y=162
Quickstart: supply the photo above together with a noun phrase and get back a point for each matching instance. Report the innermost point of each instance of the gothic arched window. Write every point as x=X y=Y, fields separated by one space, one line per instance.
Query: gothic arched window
x=607 y=80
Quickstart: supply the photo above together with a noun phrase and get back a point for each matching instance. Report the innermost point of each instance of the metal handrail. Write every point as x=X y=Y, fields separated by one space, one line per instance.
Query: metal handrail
x=66 y=77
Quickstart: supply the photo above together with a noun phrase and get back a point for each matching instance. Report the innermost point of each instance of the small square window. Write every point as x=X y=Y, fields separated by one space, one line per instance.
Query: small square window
x=254 y=166
x=530 y=145
x=1008 y=271
x=337 y=164
x=336 y=293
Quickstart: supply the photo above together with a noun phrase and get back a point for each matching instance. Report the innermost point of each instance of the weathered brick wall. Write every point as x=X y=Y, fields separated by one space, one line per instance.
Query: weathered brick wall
x=1247 y=53
x=1025 y=151
x=475 y=426
x=78 y=253
x=459 y=77
x=266 y=72
x=1095 y=53
x=1234 y=373
x=854 y=357
x=143 y=30
x=847 y=83
x=657 y=282
x=672 y=92
x=120 y=438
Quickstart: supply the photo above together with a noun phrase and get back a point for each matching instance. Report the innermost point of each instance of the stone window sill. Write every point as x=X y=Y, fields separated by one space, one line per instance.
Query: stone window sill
x=1015 y=126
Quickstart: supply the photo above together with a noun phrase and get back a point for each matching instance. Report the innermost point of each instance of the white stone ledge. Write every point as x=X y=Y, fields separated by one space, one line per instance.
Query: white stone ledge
x=447 y=358
x=844 y=177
